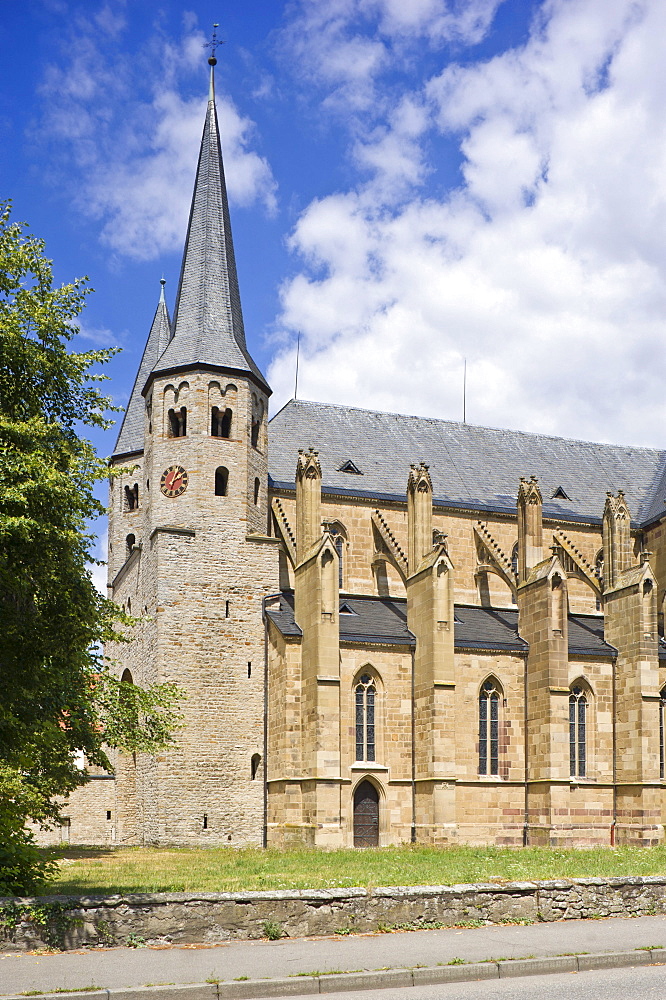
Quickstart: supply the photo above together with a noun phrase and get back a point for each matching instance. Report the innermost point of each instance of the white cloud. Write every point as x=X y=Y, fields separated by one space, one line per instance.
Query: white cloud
x=96 y=335
x=345 y=46
x=544 y=268
x=134 y=159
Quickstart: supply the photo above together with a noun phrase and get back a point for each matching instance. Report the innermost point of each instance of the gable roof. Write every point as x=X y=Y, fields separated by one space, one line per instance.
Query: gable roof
x=471 y=467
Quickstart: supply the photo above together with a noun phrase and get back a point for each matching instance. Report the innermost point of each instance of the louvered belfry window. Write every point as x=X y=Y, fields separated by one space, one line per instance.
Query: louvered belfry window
x=577 y=733
x=365 y=718
x=489 y=729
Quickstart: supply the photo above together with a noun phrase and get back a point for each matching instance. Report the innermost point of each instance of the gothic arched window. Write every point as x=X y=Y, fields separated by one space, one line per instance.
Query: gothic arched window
x=365 y=698
x=489 y=702
x=514 y=567
x=339 y=547
x=578 y=703
x=339 y=533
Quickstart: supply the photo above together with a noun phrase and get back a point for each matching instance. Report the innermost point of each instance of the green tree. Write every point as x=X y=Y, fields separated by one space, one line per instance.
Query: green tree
x=57 y=694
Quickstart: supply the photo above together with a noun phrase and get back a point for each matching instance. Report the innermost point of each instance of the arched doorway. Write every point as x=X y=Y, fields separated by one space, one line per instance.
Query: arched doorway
x=366 y=815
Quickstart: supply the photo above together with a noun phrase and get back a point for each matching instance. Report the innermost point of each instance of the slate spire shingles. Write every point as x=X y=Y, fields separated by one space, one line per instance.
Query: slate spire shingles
x=130 y=437
x=208 y=320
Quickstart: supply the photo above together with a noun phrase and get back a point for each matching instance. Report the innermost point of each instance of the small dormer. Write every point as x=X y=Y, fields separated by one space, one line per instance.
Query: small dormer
x=559 y=494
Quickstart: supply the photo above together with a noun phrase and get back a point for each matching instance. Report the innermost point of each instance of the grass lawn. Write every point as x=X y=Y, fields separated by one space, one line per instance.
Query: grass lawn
x=148 y=869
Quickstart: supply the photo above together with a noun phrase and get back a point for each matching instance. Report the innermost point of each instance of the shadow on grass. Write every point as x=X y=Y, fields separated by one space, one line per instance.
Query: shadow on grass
x=81 y=853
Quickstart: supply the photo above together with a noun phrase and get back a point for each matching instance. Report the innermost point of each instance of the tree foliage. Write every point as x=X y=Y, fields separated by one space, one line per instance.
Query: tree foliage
x=57 y=696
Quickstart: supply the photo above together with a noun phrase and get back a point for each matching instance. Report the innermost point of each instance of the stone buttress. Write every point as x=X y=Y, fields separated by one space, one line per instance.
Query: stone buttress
x=543 y=617
x=430 y=618
x=630 y=607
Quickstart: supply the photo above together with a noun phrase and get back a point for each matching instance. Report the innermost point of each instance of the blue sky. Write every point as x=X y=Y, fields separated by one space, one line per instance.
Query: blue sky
x=413 y=183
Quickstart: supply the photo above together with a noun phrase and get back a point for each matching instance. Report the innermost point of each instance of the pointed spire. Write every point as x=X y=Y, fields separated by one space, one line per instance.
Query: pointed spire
x=208 y=320
x=130 y=437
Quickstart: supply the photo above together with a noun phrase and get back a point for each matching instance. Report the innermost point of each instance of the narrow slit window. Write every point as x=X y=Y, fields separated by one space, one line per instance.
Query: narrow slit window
x=489 y=700
x=365 y=718
x=339 y=547
x=256 y=492
x=130 y=542
x=254 y=765
x=221 y=481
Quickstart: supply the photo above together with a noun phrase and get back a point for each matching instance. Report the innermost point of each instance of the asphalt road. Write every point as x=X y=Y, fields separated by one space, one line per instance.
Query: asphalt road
x=647 y=983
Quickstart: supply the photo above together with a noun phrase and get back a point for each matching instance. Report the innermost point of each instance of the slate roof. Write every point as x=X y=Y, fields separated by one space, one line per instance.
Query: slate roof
x=208 y=320
x=487 y=628
x=383 y=620
x=471 y=467
x=130 y=436
x=374 y=619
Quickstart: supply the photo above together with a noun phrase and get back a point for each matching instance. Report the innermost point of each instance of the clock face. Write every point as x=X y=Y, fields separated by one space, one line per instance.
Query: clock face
x=173 y=481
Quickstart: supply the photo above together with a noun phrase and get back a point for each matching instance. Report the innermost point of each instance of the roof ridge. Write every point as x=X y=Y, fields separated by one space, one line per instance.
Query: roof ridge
x=466 y=425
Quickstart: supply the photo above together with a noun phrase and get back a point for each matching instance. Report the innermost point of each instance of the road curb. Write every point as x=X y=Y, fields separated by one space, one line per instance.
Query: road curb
x=340 y=982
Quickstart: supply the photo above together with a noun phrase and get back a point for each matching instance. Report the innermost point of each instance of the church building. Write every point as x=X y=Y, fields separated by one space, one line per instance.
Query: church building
x=390 y=629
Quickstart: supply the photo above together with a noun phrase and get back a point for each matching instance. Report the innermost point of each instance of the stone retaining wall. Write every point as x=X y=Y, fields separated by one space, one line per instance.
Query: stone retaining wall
x=69 y=922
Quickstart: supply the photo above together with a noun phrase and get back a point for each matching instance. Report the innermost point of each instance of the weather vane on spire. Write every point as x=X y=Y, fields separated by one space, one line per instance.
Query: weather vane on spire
x=212 y=45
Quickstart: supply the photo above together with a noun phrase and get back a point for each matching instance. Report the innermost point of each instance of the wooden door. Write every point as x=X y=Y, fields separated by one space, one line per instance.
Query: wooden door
x=366 y=815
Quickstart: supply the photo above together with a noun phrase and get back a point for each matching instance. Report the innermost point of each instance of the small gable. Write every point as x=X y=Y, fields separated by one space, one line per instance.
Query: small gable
x=346 y=610
x=559 y=494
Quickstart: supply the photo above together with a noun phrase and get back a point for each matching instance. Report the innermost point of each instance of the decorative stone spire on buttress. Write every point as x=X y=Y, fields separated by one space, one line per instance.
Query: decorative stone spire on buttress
x=616 y=538
x=208 y=320
x=419 y=514
x=130 y=437
x=530 y=527
x=308 y=502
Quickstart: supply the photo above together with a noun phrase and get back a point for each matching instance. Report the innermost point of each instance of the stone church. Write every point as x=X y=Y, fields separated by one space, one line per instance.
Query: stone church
x=389 y=628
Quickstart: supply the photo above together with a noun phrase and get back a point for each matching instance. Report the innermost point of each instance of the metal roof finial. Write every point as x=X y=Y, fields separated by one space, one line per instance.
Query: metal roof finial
x=212 y=61
x=162 y=283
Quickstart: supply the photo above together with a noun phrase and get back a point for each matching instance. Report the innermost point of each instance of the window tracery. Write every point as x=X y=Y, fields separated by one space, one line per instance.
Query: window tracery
x=489 y=706
x=365 y=703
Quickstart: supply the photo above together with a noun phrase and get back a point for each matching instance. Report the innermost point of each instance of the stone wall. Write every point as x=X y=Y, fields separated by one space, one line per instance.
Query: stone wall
x=181 y=918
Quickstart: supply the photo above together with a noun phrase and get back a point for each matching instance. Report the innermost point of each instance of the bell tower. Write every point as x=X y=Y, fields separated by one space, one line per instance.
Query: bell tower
x=200 y=562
